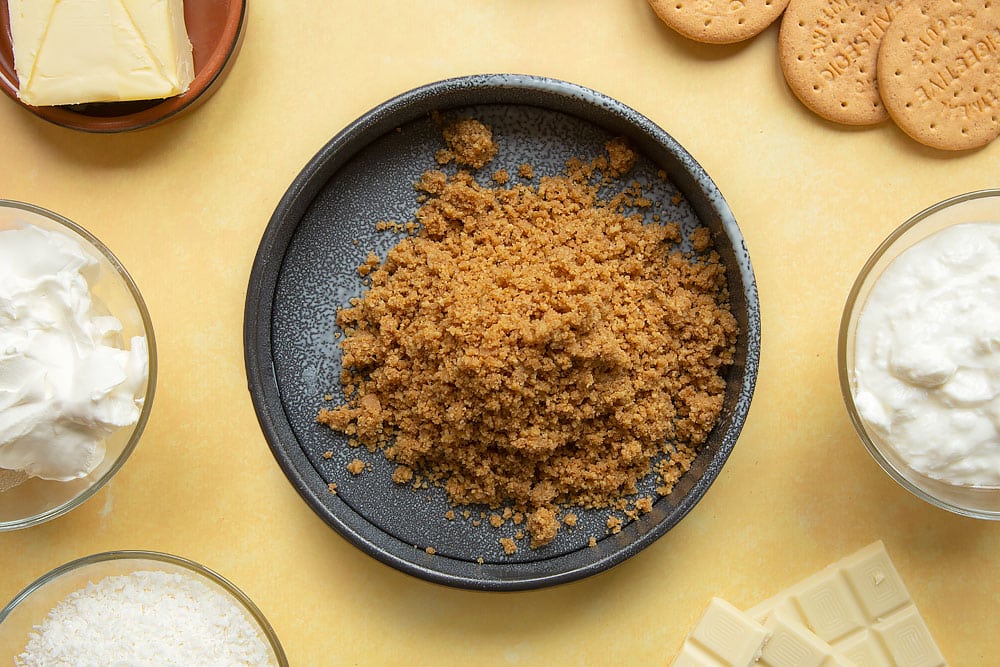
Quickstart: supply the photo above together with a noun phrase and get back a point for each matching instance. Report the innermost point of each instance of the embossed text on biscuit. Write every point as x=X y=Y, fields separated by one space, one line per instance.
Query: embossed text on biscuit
x=974 y=60
x=862 y=42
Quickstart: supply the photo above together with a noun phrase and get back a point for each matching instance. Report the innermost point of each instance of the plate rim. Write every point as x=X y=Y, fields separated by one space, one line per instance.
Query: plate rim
x=266 y=270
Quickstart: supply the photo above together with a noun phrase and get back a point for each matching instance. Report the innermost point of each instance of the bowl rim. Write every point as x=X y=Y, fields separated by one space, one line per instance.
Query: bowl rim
x=466 y=91
x=159 y=557
x=844 y=338
x=144 y=413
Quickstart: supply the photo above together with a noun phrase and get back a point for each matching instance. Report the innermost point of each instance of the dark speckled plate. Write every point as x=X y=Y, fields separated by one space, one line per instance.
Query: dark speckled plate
x=305 y=268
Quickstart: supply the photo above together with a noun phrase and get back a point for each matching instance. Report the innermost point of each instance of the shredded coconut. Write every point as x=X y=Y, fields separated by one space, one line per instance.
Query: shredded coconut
x=145 y=618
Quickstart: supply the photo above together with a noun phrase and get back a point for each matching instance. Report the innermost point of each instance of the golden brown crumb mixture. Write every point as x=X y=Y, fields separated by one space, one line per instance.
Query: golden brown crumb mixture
x=534 y=345
x=356 y=467
x=542 y=526
x=468 y=142
x=402 y=475
x=371 y=262
x=509 y=545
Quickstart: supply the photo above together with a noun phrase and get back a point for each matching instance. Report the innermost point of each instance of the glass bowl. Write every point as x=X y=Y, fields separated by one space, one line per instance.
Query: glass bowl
x=981 y=502
x=27 y=501
x=31 y=606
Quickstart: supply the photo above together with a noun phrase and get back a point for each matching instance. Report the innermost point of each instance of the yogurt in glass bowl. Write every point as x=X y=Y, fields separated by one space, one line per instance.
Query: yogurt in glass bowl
x=77 y=365
x=919 y=354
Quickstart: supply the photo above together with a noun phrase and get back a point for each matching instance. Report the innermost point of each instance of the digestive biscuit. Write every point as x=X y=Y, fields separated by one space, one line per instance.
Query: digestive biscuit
x=718 y=21
x=939 y=72
x=828 y=52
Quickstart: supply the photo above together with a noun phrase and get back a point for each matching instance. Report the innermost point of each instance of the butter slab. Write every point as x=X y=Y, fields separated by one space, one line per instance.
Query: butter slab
x=77 y=51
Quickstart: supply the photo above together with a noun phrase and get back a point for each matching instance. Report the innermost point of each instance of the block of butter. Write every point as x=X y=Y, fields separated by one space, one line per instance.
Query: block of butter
x=74 y=51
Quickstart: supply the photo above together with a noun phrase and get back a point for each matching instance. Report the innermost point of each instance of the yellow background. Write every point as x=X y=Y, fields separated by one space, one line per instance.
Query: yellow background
x=184 y=205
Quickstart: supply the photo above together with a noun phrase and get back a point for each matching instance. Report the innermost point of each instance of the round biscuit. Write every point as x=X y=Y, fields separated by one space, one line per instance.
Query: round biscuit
x=718 y=21
x=939 y=72
x=828 y=51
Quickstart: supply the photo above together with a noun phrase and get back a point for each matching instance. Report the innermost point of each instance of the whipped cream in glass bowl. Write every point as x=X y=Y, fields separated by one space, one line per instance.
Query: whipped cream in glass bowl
x=77 y=365
x=919 y=354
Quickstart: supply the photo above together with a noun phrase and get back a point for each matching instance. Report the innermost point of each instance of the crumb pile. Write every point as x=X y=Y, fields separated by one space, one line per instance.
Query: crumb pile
x=533 y=345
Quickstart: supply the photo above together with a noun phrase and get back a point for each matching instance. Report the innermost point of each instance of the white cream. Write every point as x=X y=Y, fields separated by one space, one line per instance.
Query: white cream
x=66 y=383
x=927 y=355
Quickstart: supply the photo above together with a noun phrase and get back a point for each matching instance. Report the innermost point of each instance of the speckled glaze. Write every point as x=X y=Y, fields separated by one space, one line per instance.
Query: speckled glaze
x=305 y=268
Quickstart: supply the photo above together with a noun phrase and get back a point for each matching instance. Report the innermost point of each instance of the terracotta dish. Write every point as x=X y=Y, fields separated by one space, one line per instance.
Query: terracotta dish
x=215 y=28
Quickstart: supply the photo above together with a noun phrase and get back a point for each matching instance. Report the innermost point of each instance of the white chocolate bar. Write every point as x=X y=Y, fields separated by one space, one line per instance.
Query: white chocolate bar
x=723 y=637
x=853 y=613
x=860 y=608
x=793 y=645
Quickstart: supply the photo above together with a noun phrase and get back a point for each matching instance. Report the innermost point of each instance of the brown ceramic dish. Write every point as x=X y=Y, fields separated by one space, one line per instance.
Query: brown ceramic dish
x=216 y=32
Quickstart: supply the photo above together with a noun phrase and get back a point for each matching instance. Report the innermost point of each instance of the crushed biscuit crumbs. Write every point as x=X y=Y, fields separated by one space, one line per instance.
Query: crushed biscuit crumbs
x=496 y=520
x=333 y=487
x=501 y=177
x=542 y=526
x=430 y=551
x=356 y=467
x=570 y=519
x=450 y=515
x=402 y=475
x=328 y=455
x=371 y=262
x=468 y=142
x=509 y=546
x=525 y=170
x=614 y=525
x=487 y=332
x=592 y=542
x=701 y=239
